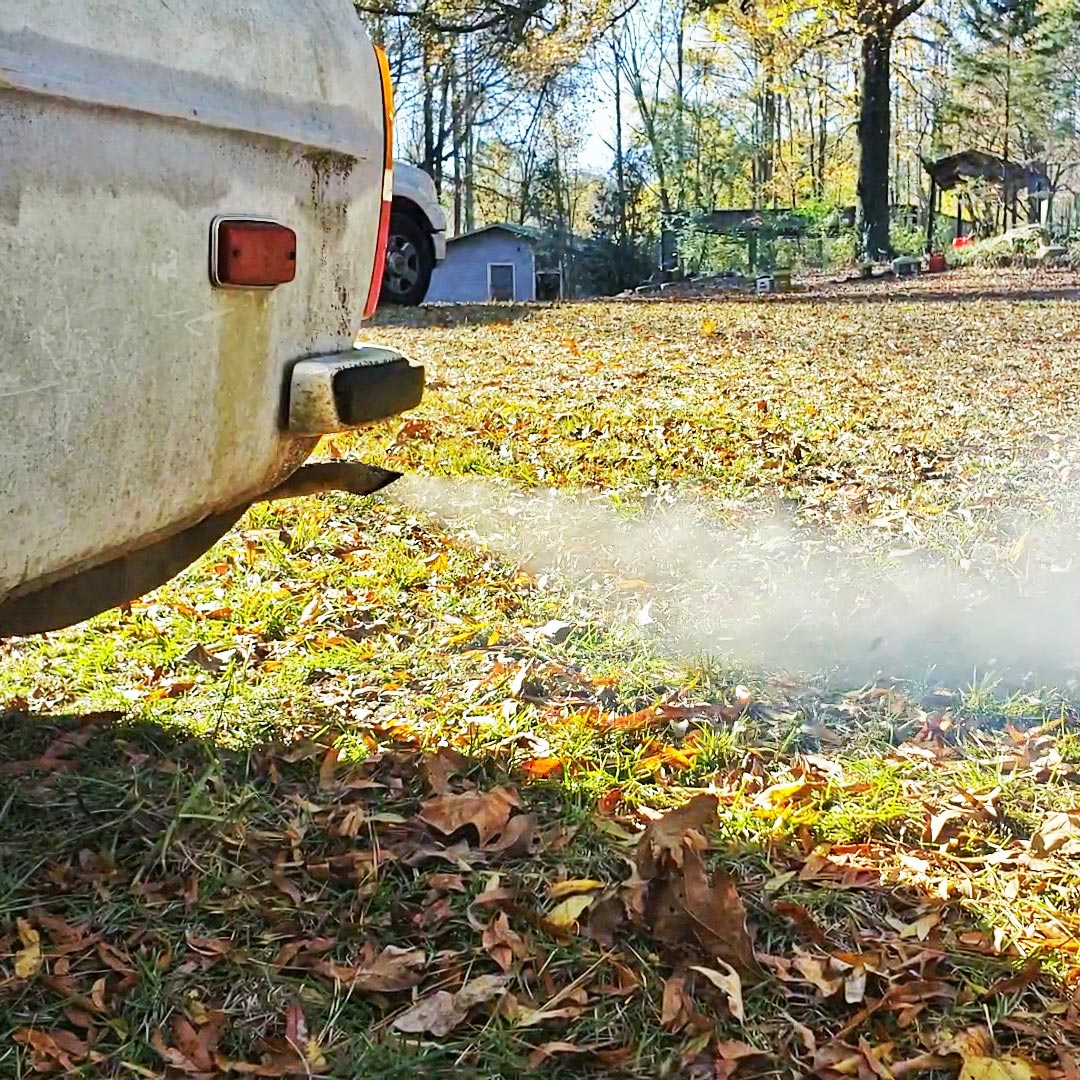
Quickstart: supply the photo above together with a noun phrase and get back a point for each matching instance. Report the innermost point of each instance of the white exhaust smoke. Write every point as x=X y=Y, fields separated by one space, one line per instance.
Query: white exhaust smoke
x=775 y=596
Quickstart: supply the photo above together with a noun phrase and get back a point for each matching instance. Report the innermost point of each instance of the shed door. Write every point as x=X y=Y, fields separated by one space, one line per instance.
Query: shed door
x=500 y=281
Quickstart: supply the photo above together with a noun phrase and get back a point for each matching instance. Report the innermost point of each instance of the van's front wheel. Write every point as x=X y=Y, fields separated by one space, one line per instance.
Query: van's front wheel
x=410 y=260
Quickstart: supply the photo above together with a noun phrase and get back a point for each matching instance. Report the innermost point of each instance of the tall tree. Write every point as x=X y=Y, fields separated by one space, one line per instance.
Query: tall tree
x=876 y=24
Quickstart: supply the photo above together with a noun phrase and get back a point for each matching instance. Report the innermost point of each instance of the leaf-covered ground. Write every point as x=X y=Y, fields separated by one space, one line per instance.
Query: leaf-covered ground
x=360 y=795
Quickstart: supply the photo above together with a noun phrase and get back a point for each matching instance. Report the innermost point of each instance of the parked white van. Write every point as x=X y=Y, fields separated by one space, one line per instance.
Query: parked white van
x=417 y=240
x=194 y=208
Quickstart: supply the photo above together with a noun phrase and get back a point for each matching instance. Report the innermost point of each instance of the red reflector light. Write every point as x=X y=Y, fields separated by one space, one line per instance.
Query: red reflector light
x=252 y=254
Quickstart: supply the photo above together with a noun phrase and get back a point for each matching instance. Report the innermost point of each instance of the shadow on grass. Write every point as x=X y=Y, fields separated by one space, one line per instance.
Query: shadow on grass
x=936 y=296
x=181 y=892
x=863 y=293
x=445 y=316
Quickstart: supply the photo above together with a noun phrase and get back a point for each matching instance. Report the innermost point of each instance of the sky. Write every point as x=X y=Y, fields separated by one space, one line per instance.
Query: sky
x=596 y=156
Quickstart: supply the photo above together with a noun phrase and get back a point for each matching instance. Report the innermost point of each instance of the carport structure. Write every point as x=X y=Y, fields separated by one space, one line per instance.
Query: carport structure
x=949 y=172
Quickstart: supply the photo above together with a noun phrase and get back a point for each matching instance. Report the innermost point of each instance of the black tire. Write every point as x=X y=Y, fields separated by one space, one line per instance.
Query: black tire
x=409 y=262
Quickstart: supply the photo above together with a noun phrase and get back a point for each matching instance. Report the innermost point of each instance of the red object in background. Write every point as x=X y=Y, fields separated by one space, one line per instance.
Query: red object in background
x=254 y=254
x=963 y=241
x=938 y=265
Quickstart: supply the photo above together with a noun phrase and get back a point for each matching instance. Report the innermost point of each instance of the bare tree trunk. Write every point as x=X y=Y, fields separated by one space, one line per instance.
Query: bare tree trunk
x=441 y=131
x=875 y=139
x=429 y=109
x=648 y=122
x=822 y=132
x=1009 y=199
x=811 y=142
x=470 y=172
x=792 y=179
x=524 y=191
x=458 y=151
x=766 y=112
x=768 y=143
x=469 y=138
x=680 y=108
x=620 y=171
x=823 y=136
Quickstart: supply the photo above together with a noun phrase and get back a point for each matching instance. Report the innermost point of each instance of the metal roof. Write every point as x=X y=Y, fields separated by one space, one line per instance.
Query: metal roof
x=521 y=231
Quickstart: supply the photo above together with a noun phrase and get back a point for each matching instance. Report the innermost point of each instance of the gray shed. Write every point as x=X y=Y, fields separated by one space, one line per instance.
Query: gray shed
x=497 y=262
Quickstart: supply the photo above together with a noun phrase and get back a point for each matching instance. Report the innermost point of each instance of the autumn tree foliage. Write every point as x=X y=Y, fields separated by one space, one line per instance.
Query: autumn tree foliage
x=1016 y=84
x=530 y=112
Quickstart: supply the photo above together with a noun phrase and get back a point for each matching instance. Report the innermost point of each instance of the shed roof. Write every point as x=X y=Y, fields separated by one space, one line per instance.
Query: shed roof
x=979 y=165
x=521 y=231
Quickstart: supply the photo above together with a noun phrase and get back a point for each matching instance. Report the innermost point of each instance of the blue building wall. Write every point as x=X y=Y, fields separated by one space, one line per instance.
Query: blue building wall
x=463 y=276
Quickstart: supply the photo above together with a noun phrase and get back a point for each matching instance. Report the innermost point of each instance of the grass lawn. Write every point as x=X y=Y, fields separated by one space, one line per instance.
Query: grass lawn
x=692 y=762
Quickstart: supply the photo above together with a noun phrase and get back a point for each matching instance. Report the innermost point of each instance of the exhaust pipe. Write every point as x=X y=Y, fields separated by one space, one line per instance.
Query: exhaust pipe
x=352 y=476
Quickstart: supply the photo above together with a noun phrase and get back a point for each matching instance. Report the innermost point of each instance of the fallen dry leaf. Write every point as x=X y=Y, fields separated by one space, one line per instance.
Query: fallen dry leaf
x=1070 y=1070
x=442 y=1012
x=438 y=1014
x=1006 y=1068
x=481 y=990
x=689 y=909
x=872 y=1056
x=564 y=915
x=517 y=839
x=299 y=1038
x=50 y=1048
x=676 y=1007
x=440 y=768
x=803 y=921
x=393 y=969
x=608 y=803
x=486 y=811
x=550 y=1049
x=1060 y=832
x=538 y=768
x=173 y=1056
x=728 y=983
x=980 y=1060
x=28 y=959
x=730 y=1055
x=575 y=885
x=328 y=768
x=780 y=795
x=855 y=986
x=503 y=944
x=664 y=842
x=605 y=917
x=971 y=1042
x=814 y=970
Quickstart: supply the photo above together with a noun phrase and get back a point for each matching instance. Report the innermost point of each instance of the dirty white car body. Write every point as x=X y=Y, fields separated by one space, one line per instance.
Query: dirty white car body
x=143 y=405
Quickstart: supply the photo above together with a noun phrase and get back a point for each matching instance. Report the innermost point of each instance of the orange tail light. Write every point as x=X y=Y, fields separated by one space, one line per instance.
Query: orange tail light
x=379 y=263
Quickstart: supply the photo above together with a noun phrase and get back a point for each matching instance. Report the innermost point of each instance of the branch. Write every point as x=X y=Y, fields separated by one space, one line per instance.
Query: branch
x=904 y=11
x=507 y=13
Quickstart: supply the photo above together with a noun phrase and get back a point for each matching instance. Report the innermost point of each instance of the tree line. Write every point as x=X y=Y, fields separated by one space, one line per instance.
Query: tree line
x=812 y=105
